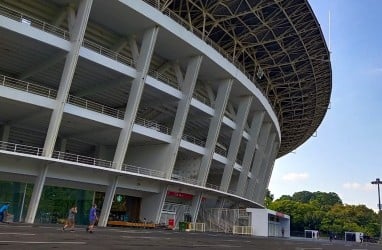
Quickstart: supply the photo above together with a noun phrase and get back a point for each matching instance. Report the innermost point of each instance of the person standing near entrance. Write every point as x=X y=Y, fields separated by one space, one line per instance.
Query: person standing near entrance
x=70 y=222
x=92 y=218
x=4 y=212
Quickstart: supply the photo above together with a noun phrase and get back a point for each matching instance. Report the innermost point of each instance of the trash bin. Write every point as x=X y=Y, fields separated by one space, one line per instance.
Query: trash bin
x=182 y=226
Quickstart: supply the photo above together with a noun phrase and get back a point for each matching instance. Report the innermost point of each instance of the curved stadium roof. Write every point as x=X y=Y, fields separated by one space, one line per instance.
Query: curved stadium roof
x=279 y=45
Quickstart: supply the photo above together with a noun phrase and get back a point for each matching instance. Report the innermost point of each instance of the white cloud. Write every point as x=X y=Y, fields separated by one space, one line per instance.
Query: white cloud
x=358 y=186
x=295 y=176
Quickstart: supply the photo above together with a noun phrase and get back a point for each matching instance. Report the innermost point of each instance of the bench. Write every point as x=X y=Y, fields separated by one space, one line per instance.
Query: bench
x=130 y=224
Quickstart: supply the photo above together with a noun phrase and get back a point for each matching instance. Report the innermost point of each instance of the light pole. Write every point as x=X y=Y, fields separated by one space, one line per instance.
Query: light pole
x=378 y=181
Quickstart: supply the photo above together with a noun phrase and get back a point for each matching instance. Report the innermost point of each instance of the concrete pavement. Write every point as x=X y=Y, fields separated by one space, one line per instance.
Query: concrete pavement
x=24 y=236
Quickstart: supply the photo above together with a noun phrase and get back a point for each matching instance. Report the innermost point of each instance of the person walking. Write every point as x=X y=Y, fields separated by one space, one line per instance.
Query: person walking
x=70 y=221
x=92 y=218
x=4 y=212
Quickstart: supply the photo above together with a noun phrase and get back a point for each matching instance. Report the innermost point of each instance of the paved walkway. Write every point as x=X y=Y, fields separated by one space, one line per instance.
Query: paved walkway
x=23 y=236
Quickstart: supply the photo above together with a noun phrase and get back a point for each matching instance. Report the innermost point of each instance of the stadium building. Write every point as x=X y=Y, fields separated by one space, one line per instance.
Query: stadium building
x=156 y=110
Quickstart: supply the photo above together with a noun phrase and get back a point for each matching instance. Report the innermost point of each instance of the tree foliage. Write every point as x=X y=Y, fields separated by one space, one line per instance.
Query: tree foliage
x=326 y=212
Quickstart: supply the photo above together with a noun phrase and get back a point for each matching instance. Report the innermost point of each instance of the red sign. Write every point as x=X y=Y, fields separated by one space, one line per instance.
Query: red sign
x=278 y=214
x=180 y=195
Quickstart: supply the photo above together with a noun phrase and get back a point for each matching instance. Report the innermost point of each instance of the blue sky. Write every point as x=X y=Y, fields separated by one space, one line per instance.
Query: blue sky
x=346 y=154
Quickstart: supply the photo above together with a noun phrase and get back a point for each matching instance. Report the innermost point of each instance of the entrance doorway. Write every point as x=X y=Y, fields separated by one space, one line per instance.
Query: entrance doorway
x=124 y=208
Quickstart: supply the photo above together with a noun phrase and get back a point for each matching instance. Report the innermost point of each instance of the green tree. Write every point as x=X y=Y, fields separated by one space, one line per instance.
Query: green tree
x=268 y=198
x=326 y=212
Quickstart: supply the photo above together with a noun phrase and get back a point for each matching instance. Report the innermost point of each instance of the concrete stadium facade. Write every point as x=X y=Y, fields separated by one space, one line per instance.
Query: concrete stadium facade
x=178 y=103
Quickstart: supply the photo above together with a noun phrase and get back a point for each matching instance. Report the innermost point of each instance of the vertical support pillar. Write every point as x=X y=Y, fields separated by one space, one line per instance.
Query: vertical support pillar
x=196 y=201
x=254 y=132
x=213 y=130
x=108 y=202
x=264 y=133
x=268 y=174
x=263 y=166
x=152 y=206
x=237 y=135
x=5 y=130
x=135 y=95
x=182 y=113
x=63 y=144
x=77 y=37
x=36 y=195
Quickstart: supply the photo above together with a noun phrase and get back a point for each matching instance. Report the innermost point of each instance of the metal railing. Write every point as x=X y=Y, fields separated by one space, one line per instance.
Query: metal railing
x=108 y=53
x=96 y=107
x=37 y=151
x=212 y=186
x=27 y=87
x=220 y=151
x=177 y=177
x=82 y=159
x=153 y=125
x=144 y=171
x=18 y=16
x=193 y=140
x=20 y=148
x=201 y=98
x=33 y=22
x=164 y=78
x=90 y=105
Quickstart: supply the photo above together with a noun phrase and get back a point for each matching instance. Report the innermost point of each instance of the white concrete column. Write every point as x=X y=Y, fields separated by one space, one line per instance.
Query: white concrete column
x=5 y=130
x=76 y=38
x=267 y=176
x=142 y=67
x=237 y=135
x=221 y=202
x=4 y=135
x=152 y=206
x=195 y=206
x=108 y=202
x=254 y=132
x=263 y=166
x=213 y=130
x=36 y=195
x=182 y=113
x=263 y=138
x=63 y=143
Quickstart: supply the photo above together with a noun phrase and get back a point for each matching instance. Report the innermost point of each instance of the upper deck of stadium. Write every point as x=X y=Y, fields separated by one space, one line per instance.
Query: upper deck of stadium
x=278 y=44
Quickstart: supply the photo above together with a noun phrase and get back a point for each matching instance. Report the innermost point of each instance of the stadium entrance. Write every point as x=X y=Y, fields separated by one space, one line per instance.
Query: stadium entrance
x=124 y=208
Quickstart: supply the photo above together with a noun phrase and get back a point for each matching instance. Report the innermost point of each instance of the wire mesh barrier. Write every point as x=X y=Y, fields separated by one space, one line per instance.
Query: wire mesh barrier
x=245 y=230
x=223 y=219
x=197 y=227
x=175 y=211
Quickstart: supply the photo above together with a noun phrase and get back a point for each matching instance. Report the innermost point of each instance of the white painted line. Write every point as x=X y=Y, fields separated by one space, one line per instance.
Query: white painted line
x=308 y=248
x=145 y=237
x=18 y=233
x=227 y=246
x=44 y=242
